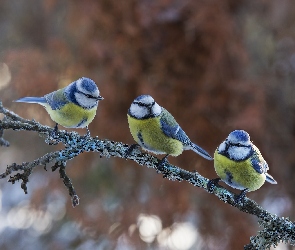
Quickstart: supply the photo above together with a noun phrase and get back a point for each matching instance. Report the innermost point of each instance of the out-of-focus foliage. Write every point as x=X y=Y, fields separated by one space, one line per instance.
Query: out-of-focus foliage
x=215 y=65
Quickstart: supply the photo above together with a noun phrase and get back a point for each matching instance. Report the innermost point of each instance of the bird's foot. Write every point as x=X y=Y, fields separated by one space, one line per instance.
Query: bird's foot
x=162 y=163
x=211 y=184
x=53 y=136
x=87 y=135
x=130 y=149
x=240 y=197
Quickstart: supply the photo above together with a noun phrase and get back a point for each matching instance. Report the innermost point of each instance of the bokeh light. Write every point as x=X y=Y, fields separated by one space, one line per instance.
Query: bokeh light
x=215 y=65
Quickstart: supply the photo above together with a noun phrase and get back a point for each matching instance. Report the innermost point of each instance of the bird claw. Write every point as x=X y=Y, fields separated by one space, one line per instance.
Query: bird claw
x=211 y=184
x=88 y=132
x=53 y=135
x=130 y=149
x=240 y=197
x=162 y=163
x=87 y=135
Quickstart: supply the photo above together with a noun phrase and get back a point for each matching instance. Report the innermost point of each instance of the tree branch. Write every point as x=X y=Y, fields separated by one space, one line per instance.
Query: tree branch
x=275 y=229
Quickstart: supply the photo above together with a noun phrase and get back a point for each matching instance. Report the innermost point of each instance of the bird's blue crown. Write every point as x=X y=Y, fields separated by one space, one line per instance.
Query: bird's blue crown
x=147 y=99
x=88 y=84
x=239 y=136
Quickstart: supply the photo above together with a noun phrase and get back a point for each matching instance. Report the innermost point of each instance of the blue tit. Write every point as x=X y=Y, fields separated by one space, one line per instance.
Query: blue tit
x=239 y=163
x=73 y=106
x=156 y=130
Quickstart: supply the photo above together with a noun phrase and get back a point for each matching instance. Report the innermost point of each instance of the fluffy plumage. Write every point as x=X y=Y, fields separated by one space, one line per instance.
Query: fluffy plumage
x=73 y=106
x=239 y=163
x=156 y=130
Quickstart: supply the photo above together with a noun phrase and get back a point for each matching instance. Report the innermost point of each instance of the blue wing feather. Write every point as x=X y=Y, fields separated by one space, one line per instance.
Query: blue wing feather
x=174 y=132
x=171 y=128
x=168 y=129
x=56 y=99
x=259 y=166
x=270 y=179
x=201 y=151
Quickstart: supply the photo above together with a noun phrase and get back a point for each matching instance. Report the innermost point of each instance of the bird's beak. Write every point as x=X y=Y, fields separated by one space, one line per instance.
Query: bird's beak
x=99 y=98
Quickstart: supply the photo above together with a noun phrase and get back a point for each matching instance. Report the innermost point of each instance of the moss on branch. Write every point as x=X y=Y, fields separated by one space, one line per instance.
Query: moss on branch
x=274 y=229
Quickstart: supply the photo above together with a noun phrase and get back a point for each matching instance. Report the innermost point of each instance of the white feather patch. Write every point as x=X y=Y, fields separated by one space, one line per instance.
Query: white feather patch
x=156 y=110
x=84 y=101
x=146 y=99
x=238 y=153
x=138 y=111
x=222 y=147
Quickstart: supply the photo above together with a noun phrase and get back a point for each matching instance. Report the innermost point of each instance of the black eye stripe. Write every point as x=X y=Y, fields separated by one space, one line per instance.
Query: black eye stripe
x=239 y=145
x=87 y=95
x=144 y=104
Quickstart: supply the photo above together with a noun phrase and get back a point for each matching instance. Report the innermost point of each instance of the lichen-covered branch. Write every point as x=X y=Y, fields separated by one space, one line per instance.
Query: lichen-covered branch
x=274 y=229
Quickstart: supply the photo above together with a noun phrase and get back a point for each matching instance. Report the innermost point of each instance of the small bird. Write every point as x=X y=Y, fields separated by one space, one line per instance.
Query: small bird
x=73 y=106
x=239 y=163
x=156 y=130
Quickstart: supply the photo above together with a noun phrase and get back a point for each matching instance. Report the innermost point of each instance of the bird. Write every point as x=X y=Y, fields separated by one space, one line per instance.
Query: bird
x=239 y=163
x=73 y=106
x=156 y=130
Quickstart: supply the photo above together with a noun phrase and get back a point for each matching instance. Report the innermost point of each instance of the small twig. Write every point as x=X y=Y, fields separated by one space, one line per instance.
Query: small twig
x=67 y=182
x=3 y=142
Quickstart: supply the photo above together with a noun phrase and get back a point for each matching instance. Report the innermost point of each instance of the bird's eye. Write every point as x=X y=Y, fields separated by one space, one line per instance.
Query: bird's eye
x=89 y=96
x=141 y=104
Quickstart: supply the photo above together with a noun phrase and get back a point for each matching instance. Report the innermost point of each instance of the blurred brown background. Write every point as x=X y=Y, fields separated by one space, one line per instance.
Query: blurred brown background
x=215 y=65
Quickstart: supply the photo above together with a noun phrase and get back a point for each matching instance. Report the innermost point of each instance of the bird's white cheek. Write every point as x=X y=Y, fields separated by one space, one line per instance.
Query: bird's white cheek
x=222 y=147
x=138 y=111
x=84 y=101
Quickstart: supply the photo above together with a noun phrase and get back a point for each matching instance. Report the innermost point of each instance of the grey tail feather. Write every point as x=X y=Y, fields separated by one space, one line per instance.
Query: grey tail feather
x=201 y=151
x=270 y=179
x=39 y=100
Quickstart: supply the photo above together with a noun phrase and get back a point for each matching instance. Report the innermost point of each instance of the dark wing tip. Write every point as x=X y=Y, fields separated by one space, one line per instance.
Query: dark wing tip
x=270 y=179
x=201 y=152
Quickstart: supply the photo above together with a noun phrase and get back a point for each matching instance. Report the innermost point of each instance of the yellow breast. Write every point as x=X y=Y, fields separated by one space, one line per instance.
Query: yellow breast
x=238 y=175
x=148 y=134
x=72 y=115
